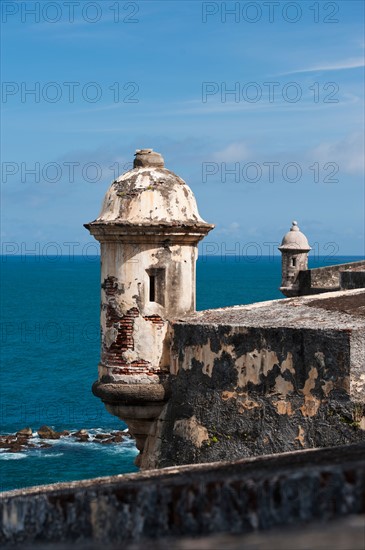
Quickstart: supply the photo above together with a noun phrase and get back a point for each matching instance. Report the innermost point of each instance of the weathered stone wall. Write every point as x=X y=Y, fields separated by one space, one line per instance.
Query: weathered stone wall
x=135 y=347
x=352 y=279
x=327 y=278
x=241 y=497
x=292 y=264
x=148 y=228
x=134 y=327
x=274 y=377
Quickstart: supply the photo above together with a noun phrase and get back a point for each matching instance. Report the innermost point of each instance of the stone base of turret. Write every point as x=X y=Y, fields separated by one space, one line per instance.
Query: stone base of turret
x=137 y=405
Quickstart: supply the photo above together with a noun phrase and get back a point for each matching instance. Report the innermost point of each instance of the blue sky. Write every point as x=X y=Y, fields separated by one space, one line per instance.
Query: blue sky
x=158 y=74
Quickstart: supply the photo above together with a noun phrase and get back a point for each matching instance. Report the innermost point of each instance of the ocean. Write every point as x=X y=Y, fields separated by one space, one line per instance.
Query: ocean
x=50 y=351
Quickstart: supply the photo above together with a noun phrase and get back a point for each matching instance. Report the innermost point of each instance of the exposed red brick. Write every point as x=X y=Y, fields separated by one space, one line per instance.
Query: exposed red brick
x=110 y=286
x=124 y=325
x=155 y=319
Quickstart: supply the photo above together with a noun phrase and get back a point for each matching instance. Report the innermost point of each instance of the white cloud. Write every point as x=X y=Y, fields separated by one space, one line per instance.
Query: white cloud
x=347 y=153
x=351 y=63
x=233 y=229
x=235 y=152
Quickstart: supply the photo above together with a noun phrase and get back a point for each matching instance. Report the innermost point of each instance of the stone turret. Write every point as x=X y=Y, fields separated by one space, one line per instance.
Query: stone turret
x=148 y=230
x=294 y=249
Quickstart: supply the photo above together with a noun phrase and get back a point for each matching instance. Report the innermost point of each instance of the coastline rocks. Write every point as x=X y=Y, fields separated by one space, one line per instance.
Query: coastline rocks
x=13 y=443
x=22 y=440
x=81 y=435
x=102 y=436
x=25 y=432
x=45 y=432
x=15 y=448
x=117 y=438
x=114 y=437
x=6 y=440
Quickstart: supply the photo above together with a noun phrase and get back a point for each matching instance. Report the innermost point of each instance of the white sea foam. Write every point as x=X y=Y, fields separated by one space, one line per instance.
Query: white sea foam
x=126 y=447
x=12 y=456
x=50 y=455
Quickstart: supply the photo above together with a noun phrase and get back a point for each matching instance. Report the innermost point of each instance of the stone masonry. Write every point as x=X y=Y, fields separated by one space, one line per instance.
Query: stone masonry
x=227 y=383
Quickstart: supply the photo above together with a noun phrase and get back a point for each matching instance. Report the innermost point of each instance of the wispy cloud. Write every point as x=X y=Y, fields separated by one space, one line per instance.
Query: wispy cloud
x=346 y=64
x=348 y=153
x=232 y=230
x=232 y=153
x=215 y=106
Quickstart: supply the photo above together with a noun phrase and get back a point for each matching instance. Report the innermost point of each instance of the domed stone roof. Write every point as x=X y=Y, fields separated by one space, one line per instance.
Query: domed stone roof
x=149 y=194
x=295 y=240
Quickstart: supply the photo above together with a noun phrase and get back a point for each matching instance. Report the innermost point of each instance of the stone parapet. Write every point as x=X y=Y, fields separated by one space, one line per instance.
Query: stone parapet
x=265 y=378
x=231 y=497
x=331 y=278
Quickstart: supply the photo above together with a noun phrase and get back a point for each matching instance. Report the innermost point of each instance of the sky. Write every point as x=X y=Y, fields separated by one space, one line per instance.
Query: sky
x=258 y=106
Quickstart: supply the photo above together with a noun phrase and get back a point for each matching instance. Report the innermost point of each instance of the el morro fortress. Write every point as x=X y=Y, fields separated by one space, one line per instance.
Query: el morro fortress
x=227 y=383
x=256 y=413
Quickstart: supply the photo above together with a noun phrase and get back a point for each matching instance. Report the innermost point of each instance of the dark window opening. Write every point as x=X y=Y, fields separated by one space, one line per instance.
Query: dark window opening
x=152 y=288
x=294 y=262
x=157 y=285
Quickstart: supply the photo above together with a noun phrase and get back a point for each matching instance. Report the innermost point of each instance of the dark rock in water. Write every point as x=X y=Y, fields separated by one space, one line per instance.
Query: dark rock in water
x=81 y=435
x=102 y=436
x=25 y=432
x=15 y=448
x=4 y=444
x=21 y=440
x=119 y=432
x=117 y=438
x=82 y=438
x=45 y=432
x=107 y=438
x=7 y=441
x=80 y=432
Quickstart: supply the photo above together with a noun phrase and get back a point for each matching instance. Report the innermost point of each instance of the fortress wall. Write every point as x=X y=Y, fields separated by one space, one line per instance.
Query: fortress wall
x=352 y=279
x=237 y=497
x=248 y=391
x=328 y=277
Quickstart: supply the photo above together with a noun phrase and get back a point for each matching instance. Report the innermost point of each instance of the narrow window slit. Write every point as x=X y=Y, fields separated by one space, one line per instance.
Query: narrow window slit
x=156 y=285
x=152 y=288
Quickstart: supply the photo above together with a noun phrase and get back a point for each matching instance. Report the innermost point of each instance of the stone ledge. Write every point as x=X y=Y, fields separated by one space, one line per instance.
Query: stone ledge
x=129 y=394
x=243 y=496
x=298 y=312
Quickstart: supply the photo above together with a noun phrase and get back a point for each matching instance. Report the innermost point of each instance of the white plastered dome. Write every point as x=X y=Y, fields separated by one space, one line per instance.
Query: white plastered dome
x=295 y=240
x=149 y=194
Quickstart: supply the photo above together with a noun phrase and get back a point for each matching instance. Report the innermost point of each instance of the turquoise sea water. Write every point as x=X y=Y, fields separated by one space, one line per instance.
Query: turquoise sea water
x=50 y=350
